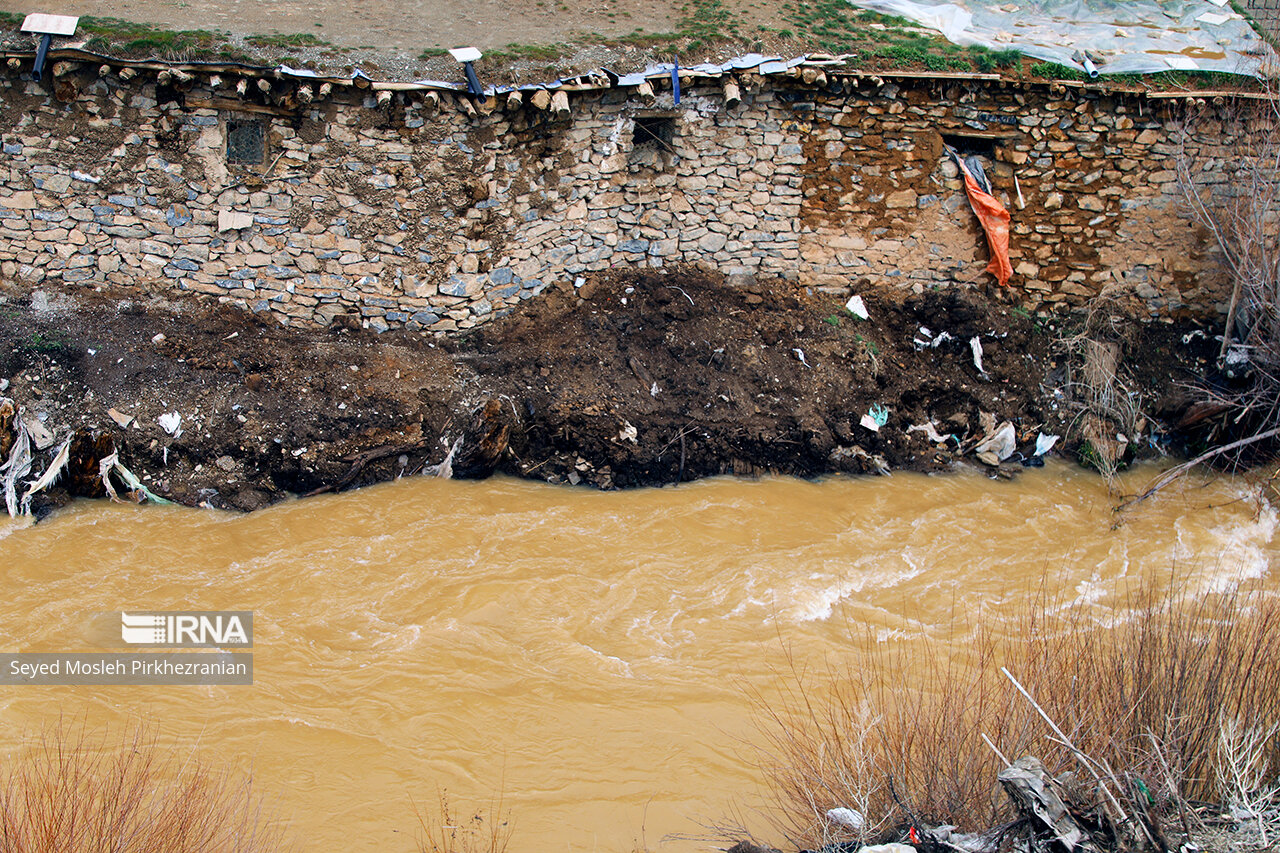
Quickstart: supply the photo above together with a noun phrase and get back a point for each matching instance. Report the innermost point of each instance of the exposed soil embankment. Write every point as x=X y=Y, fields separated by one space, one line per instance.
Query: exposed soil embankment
x=629 y=380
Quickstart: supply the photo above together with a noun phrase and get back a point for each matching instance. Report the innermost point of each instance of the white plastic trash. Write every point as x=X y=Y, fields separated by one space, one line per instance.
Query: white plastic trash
x=847 y=818
x=857 y=307
x=171 y=422
x=1001 y=443
x=975 y=344
x=1045 y=443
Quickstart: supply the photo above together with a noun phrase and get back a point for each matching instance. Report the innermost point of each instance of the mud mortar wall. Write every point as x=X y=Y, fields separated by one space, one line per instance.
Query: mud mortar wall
x=441 y=220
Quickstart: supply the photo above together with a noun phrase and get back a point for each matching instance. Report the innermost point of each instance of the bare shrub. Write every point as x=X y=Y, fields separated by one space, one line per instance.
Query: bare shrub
x=75 y=790
x=1105 y=408
x=1248 y=775
x=900 y=728
x=1234 y=194
x=450 y=830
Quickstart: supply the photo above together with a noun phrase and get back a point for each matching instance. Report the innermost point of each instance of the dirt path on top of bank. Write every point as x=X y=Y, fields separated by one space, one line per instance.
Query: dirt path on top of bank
x=394 y=26
x=630 y=380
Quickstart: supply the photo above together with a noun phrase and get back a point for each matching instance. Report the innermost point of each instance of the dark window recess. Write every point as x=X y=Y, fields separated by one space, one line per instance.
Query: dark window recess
x=967 y=146
x=654 y=132
x=245 y=143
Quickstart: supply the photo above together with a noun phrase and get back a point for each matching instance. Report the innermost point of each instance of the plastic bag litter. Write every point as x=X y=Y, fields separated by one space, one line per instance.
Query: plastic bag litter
x=930 y=431
x=857 y=307
x=929 y=339
x=132 y=481
x=999 y=444
x=847 y=818
x=49 y=477
x=171 y=422
x=445 y=469
x=975 y=344
x=105 y=464
x=877 y=417
x=1045 y=443
x=17 y=466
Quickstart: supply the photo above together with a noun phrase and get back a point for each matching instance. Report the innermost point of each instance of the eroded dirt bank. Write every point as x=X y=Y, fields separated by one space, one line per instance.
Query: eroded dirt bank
x=629 y=380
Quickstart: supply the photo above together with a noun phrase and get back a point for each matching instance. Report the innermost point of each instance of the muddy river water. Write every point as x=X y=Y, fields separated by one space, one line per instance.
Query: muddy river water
x=587 y=654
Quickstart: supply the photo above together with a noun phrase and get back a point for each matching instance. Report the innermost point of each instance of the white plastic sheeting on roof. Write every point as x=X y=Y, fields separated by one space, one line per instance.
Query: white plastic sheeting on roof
x=1120 y=36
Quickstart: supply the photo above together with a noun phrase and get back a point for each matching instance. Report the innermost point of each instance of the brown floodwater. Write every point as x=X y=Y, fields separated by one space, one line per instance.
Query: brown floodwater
x=586 y=654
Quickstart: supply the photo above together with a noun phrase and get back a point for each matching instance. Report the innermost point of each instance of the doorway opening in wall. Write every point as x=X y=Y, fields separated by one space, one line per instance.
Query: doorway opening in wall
x=246 y=142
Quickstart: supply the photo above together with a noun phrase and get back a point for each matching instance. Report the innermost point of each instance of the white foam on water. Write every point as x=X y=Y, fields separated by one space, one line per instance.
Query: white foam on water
x=1244 y=551
x=821 y=602
x=619 y=666
x=12 y=526
x=1090 y=590
x=747 y=589
x=662 y=631
x=884 y=635
x=401 y=639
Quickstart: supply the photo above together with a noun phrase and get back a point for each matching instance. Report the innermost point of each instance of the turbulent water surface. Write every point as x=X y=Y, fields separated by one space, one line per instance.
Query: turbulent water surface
x=586 y=654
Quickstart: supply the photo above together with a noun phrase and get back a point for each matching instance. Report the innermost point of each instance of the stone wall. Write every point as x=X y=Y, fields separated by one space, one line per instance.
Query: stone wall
x=406 y=214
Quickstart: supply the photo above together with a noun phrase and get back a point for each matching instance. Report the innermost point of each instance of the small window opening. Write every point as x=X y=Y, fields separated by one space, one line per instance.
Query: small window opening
x=970 y=146
x=657 y=132
x=246 y=143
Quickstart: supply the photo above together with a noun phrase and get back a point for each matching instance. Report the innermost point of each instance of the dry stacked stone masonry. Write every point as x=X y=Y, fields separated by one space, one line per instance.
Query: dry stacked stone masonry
x=424 y=210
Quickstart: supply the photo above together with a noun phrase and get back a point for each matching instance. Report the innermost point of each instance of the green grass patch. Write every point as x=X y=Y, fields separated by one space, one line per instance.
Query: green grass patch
x=535 y=52
x=987 y=60
x=286 y=41
x=707 y=22
x=836 y=27
x=51 y=343
x=139 y=40
x=1199 y=80
x=1054 y=71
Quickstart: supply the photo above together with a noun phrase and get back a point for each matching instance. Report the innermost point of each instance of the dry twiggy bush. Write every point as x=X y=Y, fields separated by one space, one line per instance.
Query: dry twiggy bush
x=1234 y=195
x=905 y=727
x=448 y=830
x=72 y=789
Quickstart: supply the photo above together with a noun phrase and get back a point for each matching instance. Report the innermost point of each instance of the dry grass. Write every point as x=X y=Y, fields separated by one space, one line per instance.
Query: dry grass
x=74 y=790
x=449 y=830
x=1149 y=698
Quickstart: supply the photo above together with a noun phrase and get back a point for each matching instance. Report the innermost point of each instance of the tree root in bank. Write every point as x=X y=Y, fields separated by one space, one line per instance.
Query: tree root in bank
x=49 y=477
x=360 y=460
x=86 y=461
x=15 y=444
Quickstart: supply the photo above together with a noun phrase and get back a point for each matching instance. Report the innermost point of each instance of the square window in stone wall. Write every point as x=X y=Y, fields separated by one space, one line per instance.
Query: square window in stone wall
x=653 y=141
x=655 y=131
x=246 y=142
x=971 y=145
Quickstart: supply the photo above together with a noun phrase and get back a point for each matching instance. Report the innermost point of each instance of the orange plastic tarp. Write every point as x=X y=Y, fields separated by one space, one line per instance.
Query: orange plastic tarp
x=995 y=222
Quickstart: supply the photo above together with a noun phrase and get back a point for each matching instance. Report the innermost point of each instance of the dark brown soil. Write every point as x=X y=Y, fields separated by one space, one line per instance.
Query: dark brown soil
x=630 y=380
